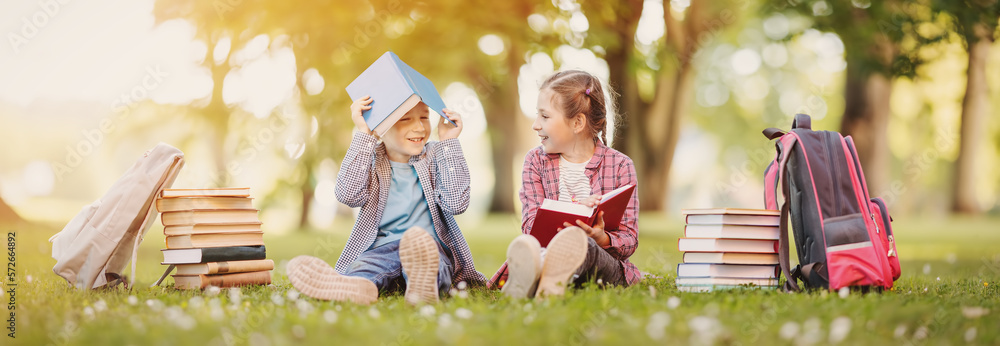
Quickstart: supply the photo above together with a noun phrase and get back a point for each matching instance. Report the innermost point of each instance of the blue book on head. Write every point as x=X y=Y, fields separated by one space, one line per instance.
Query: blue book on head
x=395 y=88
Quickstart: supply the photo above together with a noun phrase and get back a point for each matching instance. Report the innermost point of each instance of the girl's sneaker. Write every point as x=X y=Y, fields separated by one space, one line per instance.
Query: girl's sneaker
x=524 y=265
x=315 y=278
x=563 y=256
x=418 y=253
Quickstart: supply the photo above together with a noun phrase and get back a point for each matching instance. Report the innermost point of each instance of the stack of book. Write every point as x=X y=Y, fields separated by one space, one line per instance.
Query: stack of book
x=213 y=237
x=726 y=248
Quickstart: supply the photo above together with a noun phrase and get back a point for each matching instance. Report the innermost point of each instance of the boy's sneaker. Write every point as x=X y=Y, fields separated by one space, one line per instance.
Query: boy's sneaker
x=315 y=278
x=418 y=252
x=563 y=256
x=524 y=265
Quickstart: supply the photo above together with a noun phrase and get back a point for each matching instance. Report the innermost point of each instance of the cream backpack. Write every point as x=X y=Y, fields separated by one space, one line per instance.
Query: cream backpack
x=94 y=247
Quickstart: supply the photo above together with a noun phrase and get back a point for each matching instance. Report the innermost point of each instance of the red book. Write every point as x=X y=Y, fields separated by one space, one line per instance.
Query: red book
x=552 y=214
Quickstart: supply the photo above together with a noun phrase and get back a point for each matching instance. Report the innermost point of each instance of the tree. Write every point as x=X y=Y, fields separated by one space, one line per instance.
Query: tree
x=975 y=21
x=648 y=129
x=871 y=32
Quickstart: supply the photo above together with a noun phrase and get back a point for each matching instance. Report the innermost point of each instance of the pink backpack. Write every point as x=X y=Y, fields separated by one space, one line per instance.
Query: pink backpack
x=92 y=250
x=843 y=236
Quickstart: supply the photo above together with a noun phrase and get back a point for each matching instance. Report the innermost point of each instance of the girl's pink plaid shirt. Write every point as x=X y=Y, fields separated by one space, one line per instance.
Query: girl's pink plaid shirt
x=607 y=170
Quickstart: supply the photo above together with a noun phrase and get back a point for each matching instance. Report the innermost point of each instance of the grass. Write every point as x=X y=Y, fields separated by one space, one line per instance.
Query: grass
x=947 y=295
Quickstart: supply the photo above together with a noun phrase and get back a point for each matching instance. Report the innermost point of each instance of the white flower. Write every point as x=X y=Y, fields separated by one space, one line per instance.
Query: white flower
x=462 y=285
x=899 y=332
x=427 y=311
x=673 y=302
x=652 y=291
x=839 y=328
x=463 y=294
x=527 y=307
x=656 y=328
x=88 y=312
x=304 y=307
x=373 y=313
x=974 y=312
x=132 y=300
x=330 y=316
x=292 y=294
x=927 y=268
x=970 y=334
x=154 y=304
x=528 y=319
x=444 y=321
x=844 y=292
x=920 y=333
x=453 y=292
x=235 y=296
x=29 y=278
x=212 y=291
x=788 y=330
x=277 y=299
x=951 y=258
x=298 y=331
x=196 y=302
x=704 y=330
x=100 y=305
x=463 y=313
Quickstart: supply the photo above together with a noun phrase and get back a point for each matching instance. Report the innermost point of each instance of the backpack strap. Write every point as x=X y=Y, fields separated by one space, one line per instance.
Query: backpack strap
x=802 y=121
x=785 y=148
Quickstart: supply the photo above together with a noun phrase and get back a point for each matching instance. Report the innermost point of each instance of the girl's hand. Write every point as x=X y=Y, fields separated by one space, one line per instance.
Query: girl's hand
x=590 y=201
x=448 y=131
x=361 y=105
x=596 y=231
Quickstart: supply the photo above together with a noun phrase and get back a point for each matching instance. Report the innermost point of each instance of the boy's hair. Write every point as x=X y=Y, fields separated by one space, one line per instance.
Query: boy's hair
x=579 y=92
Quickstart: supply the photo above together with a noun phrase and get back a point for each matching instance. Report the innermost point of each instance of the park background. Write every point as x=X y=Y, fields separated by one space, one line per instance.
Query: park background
x=253 y=93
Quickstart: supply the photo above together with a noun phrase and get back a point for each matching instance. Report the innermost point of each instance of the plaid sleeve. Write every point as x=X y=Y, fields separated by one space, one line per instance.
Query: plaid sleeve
x=625 y=240
x=452 y=190
x=356 y=172
x=532 y=189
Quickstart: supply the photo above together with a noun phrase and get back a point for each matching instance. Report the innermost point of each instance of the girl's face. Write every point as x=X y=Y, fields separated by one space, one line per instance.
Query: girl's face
x=408 y=136
x=557 y=133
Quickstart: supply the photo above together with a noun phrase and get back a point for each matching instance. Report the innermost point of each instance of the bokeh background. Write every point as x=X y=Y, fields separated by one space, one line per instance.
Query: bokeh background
x=253 y=93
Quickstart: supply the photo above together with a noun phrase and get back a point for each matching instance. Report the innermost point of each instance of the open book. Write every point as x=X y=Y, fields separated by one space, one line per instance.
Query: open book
x=552 y=214
x=395 y=88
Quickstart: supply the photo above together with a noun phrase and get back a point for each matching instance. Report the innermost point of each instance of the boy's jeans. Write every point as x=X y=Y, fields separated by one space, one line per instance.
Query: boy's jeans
x=381 y=266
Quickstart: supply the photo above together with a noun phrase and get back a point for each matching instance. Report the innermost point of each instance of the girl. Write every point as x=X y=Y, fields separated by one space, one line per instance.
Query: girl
x=573 y=163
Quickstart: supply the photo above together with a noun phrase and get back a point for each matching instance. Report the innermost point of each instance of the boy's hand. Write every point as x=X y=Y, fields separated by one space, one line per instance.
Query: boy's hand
x=448 y=131
x=361 y=105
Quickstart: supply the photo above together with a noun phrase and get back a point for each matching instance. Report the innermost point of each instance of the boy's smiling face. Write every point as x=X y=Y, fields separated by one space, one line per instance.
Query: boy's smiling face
x=408 y=136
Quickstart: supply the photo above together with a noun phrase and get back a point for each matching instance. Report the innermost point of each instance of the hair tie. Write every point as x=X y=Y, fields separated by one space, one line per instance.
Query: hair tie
x=588 y=91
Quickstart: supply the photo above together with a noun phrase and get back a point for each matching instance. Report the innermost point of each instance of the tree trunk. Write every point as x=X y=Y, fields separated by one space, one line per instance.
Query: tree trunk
x=975 y=109
x=621 y=77
x=660 y=136
x=866 y=119
x=503 y=119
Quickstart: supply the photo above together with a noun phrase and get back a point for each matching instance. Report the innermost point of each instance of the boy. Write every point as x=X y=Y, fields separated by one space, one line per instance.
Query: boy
x=409 y=190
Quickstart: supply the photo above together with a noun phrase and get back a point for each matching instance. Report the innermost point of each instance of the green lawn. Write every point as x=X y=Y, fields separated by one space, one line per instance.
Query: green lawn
x=947 y=295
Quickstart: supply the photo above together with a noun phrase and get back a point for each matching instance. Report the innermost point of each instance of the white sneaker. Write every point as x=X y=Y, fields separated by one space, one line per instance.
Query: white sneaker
x=524 y=265
x=315 y=278
x=418 y=253
x=563 y=256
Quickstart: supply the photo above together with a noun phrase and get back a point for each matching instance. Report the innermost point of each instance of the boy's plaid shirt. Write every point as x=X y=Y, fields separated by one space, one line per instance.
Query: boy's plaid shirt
x=363 y=181
x=607 y=170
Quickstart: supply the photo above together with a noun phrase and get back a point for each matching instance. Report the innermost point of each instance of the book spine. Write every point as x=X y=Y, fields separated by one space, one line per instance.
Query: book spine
x=240 y=266
x=233 y=253
x=237 y=279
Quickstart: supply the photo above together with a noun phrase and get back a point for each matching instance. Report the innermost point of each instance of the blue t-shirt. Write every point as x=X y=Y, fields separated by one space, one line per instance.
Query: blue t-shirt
x=405 y=208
